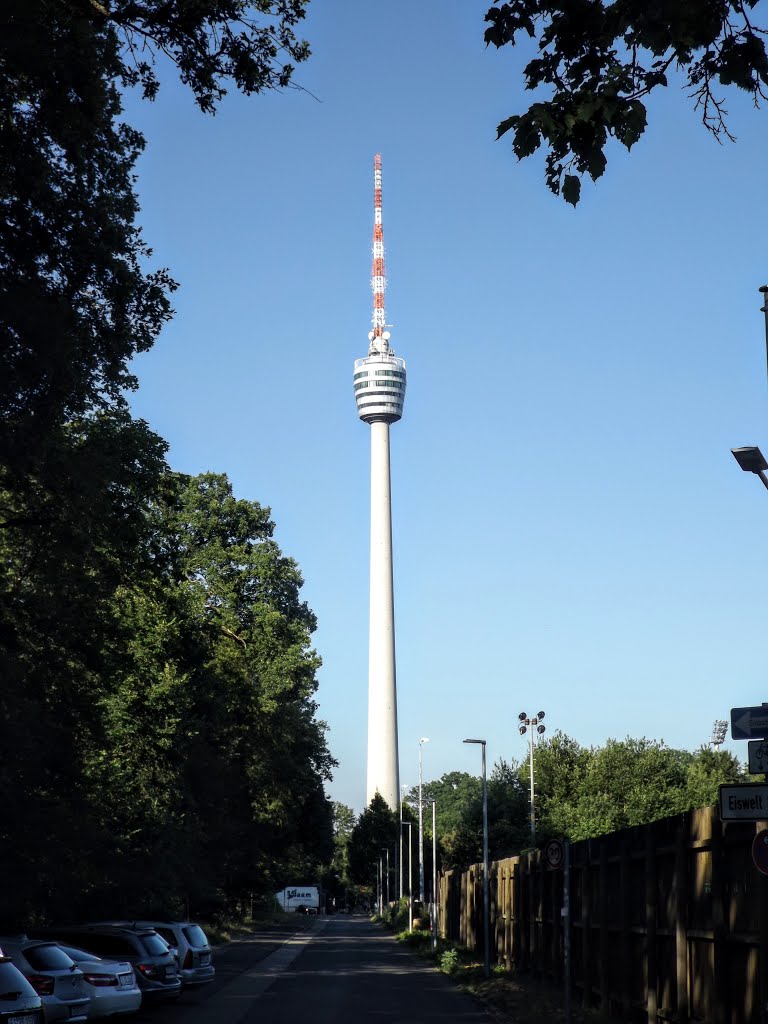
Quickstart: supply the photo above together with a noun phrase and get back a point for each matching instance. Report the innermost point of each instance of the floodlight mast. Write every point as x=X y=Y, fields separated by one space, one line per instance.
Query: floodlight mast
x=529 y=725
x=719 y=731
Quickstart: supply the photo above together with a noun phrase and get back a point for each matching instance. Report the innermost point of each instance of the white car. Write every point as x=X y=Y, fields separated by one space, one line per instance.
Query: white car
x=19 y=1003
x=53 y=975
x=113 y=985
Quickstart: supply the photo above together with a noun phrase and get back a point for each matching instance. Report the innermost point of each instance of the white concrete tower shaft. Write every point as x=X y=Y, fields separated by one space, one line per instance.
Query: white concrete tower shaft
x=383 y=761
x=379 y=383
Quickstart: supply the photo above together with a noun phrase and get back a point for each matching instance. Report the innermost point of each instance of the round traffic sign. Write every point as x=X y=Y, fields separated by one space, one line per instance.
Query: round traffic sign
x=760 y=851
x=553 y=853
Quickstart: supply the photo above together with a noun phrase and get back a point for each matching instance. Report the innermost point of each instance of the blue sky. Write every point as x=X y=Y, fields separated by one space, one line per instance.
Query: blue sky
x=572 y=533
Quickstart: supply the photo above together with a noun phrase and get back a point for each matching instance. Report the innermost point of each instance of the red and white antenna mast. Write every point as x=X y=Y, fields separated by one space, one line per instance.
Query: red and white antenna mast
x=378 y=336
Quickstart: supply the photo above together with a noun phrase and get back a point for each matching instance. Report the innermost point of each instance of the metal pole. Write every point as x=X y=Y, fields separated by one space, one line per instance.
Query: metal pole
x=422 y=741
x=486 y=880
x=533 y=812
x=401 y=851
x=567 y=929
x=434 y=879
x=387 y=876
x=410 y=875
x=378 y=886
x=764 y=309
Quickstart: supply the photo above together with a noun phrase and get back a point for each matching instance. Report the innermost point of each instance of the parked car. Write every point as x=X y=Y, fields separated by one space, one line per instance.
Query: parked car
x=192 y=949
x=148 y=953
x=19 y=1003
x=113 y=985
x=52 y=974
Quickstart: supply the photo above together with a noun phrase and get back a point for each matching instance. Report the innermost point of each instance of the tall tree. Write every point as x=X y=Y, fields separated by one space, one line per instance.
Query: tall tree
x=376 y=830
x=599 y=61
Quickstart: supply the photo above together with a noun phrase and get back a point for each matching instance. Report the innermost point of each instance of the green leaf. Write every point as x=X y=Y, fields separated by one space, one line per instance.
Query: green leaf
x=571 y=190
x=504 y=127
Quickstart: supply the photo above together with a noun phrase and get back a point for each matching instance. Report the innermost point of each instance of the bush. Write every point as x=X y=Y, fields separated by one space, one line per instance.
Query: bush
x=450 y=961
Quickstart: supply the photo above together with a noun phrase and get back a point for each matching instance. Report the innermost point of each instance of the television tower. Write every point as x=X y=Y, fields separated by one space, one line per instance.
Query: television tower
x=379 y=393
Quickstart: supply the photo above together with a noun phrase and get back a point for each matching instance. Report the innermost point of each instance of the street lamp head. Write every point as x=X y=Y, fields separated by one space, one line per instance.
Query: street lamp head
x=424 y=739
x=540 y=715
x=475 y=741
x=522 y=730
x=522 y=716
x=541 y=728
x=751 y=459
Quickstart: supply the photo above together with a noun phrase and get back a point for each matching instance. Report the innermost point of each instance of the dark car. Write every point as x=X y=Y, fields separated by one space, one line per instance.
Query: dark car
x=192 y=949
x=155 y=965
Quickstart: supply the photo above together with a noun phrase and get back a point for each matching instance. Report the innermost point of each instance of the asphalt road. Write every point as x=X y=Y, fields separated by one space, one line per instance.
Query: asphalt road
x=344 y=971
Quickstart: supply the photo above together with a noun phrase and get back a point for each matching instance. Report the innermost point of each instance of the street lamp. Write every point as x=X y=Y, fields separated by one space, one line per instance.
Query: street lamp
x=409 y=826
x=384 y=887
x=752 y=460
x=422 y=741
x=532 y=724
x=486 y=894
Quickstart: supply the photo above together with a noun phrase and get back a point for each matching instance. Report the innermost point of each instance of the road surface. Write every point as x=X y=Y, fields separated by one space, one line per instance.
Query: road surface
x=345 y=970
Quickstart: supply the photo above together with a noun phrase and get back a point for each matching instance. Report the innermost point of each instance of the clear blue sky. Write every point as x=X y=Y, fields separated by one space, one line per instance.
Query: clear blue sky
x=571 y=531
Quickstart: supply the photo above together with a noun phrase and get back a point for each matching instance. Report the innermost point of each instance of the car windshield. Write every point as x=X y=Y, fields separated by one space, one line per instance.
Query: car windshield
x=195 y=935
x=153 y=944
x=47 y=958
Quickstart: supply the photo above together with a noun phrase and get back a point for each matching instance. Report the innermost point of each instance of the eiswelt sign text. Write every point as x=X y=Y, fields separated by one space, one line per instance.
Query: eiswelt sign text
x=747 y=802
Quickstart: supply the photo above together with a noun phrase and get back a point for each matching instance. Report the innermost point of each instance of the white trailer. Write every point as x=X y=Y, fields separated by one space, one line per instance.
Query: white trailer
x=305 y=898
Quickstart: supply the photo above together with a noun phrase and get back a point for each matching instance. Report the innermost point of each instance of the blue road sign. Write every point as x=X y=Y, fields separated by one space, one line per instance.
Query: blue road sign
x=749 y=723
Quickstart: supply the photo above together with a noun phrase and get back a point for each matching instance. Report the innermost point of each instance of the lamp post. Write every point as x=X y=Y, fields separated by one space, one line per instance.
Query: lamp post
x=409 y=826
x=764 y=310
x=422 y=741
x=434 y=879
x=402 y=804
x=384 y=887
x=532 y=724
x=486 y=894
x=378 y=887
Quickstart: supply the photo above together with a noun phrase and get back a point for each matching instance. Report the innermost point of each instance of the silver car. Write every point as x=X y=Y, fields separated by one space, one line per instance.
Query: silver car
x=53 y=975
x=192 y=950
x=113 y=986
x=19 y=1003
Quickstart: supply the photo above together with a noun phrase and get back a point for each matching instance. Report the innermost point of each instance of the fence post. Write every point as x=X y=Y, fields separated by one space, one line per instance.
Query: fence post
x=624 y=895
x=680 y=913
x=719 y=1012
x=602 y=885
x=586 y=927
x=651 y=974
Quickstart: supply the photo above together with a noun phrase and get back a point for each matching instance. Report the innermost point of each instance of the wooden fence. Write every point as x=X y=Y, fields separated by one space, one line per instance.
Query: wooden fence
x=669 y=921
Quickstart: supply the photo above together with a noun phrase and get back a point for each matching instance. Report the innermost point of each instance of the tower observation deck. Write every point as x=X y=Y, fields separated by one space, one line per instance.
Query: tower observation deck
x=380 y=383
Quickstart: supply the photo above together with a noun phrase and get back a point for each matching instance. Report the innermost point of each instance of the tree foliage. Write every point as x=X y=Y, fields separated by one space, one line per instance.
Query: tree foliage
x=581 y=792
x=597 y=63
x=585 y=792
x=376 y=829
x=161 y=746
